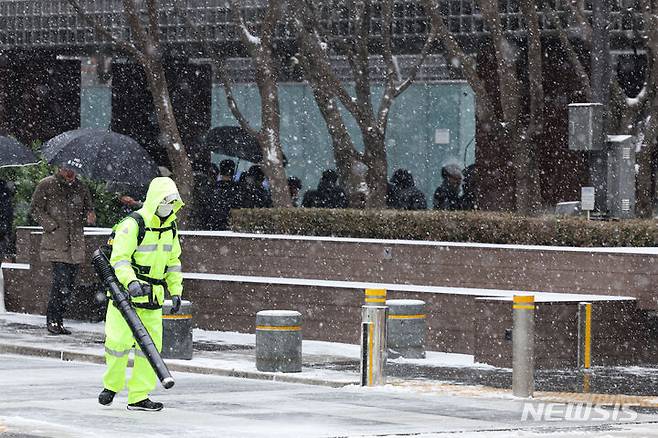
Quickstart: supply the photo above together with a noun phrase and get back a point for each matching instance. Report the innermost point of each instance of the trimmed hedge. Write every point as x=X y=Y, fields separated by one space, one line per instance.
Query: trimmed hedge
x=460 y=226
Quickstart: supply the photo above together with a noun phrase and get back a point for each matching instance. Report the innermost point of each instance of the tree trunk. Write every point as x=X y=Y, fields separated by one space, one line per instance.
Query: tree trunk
x=643 y=204
x=527 y=190
x=351 y=178
x=269 y=137
x=169 y=136
x=376 y=160
x=647 y=163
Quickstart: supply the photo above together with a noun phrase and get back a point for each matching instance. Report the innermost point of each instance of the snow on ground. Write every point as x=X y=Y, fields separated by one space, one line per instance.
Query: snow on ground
x=309 y=347
x=631 y=431
x=440 y=359
x=336 y=349
x=40 y=320
x=50 y=398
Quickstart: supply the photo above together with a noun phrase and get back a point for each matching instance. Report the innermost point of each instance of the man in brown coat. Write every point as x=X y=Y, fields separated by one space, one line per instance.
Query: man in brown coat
x=62 y=205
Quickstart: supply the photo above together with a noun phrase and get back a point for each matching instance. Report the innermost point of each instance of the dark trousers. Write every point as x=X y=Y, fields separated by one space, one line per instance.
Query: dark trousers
x=63 y=279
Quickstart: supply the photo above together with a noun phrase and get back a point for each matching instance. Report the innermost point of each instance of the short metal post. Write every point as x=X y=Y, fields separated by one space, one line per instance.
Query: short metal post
x=373 y=345
x=523 y=343
x=584 y=335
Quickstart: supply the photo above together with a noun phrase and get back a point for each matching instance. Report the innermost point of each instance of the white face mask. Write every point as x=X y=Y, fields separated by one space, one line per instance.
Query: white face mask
x=164 y=210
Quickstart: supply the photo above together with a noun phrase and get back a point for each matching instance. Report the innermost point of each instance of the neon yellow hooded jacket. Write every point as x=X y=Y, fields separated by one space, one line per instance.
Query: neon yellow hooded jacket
x=158 y=255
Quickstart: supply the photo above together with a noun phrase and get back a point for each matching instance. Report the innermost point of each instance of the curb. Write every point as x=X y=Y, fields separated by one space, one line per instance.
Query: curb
x=598 y=399
x=630 y=401
x=67 y=355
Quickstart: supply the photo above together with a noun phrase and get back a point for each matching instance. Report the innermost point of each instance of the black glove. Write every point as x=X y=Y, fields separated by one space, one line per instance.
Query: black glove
x=137 y=289
x=175 y=304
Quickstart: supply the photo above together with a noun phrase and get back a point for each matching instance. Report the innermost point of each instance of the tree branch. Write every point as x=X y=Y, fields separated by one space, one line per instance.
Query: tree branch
x=454 y=50
x=508 y=82
x=232 y=103
x=250 y=41
x=137 y=29
x=393 y=92
x=154 y=22
x=420 y=60
x=362 y=64
x=221 y=71
x=577 y=8
x=98 y=27
x=574 y=60
x=318 y=59
x=269 y=22
x=387 y=25
x=535 y=65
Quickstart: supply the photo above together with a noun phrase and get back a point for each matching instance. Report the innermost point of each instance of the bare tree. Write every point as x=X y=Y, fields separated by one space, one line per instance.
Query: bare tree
x=636 y=115
x=329 y=91
x=261 y=50
x=145 y=48
x=501 y=109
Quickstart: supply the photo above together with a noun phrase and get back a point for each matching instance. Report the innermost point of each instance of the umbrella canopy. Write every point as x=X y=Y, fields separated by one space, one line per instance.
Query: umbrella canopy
x=234 y=142
x=101 y=155
x=12 y=153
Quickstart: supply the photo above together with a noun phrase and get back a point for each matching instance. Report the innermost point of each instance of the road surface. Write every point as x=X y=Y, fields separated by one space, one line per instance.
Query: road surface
x=51 y=398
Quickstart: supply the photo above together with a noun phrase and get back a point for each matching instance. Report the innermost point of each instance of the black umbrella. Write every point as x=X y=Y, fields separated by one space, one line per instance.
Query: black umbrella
x=102 y=155
x=234 y=142
x=12 y=153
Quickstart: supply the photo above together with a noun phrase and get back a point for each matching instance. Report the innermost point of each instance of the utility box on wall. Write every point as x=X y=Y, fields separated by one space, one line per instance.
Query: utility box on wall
x=621 y=176
x=586 y=127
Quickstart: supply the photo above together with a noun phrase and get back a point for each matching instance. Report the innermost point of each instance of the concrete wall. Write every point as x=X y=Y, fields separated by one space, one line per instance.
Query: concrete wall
x=312 y=275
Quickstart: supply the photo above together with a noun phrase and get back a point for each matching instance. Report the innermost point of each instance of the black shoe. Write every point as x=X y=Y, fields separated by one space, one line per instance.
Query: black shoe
x=106 y=396
x=146 y=405
x=63 y=330
x=54 y=328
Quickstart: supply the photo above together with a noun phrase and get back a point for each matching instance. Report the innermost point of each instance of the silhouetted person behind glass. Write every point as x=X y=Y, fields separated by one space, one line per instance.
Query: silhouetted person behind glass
x=224 y=197
x=294 y=185
x=6 y=217
x=446 y=196
x=252 y=192
x=328 y=194
x=403 y=193
x=470 y=188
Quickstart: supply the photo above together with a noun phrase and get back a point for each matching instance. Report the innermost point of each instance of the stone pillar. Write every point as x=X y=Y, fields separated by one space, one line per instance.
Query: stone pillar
x=177 y=331
x=406 y=328
x=279 y=341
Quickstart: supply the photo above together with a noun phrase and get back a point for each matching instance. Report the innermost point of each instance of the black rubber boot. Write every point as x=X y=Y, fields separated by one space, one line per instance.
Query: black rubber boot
x=145 y=405
x=106 y=396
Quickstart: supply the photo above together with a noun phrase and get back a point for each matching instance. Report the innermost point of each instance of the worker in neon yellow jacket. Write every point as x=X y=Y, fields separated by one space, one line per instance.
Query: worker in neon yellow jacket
x=146 y=260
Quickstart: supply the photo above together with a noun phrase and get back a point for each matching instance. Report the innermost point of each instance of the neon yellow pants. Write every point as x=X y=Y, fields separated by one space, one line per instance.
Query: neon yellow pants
x=118 y=343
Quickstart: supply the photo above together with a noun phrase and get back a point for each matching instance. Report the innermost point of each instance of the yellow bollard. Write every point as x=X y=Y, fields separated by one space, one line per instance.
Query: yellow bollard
x=375 y=297
x=585 y=335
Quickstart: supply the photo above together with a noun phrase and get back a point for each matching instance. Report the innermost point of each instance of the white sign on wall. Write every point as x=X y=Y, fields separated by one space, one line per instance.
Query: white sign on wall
x=587 y=198
x=441 y=136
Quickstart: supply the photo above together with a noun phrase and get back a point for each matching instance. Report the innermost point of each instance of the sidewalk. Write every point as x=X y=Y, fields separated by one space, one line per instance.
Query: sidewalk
x=337 y=365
